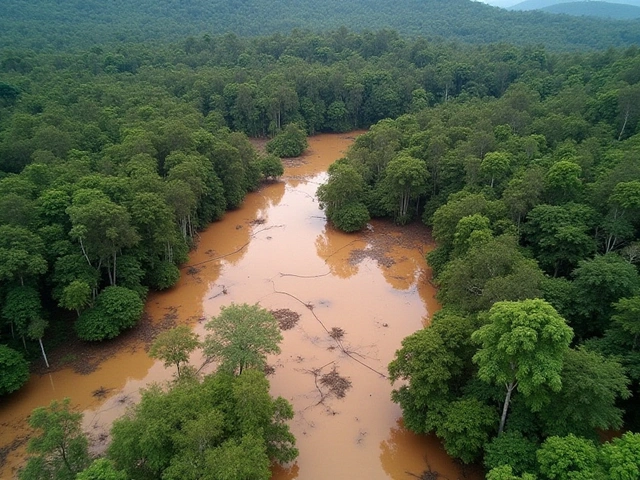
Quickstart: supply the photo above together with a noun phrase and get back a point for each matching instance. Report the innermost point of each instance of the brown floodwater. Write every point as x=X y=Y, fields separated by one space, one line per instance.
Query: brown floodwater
x=357 y=296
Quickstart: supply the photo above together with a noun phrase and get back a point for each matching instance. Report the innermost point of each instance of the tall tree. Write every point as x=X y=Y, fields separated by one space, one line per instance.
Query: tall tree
x=60 y=449
x=241 y=337
x=522 y=347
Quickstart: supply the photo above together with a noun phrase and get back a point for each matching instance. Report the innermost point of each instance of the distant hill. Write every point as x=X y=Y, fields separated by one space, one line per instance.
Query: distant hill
x=543 y=4
x=596 y=9
x=69 y=24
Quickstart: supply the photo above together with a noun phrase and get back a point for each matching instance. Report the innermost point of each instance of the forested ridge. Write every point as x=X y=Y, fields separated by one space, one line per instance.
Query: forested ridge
x=523 y=160
x=54 y=25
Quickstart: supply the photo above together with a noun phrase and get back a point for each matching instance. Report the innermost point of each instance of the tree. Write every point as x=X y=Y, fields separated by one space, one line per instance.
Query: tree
x=271 y=167
x=465 y=427
x=101 y=469
x=174 y=346
x=505 y=472
x=14 y=369
x=242 y=337
x=76 y=296
x=560 y=235
x=620 y=457
x=21 y=254
x=404 y=179
x=570 y=457
x=291 y=142
x=522 y=347
x=495 y=165
x=60 y=450
x=102 y=228
x=492 y=270
x=599 y=283
x=225 y=427
x=116 y=309
x=591 y=387
x=512 y=449
x=433 y=363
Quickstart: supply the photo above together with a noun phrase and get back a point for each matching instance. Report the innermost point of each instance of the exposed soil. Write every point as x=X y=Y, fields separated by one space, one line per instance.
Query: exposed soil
x=86 y=357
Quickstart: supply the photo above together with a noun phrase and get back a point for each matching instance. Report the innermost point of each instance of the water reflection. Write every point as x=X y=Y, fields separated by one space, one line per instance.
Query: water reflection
x=335 y=248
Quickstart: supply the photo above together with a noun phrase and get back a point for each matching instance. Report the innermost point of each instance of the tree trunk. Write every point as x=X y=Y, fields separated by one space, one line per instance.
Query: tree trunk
x=44 y=355
x=505 y=408
x=624 y=125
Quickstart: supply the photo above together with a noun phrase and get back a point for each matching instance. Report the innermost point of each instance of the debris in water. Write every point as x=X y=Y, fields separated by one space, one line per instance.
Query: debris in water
x=336 y=333
x=287 y=319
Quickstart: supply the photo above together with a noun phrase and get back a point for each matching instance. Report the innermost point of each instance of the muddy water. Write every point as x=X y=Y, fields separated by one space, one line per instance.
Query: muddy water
x=277 y=250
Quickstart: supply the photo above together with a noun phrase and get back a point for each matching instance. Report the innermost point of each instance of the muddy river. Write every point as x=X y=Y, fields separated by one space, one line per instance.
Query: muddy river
x=357 y=297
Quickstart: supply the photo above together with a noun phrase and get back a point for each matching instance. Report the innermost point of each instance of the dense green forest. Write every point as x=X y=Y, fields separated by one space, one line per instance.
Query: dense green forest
x=63 y=24
x=596 y=9
x=534 y=201
x=523 y=160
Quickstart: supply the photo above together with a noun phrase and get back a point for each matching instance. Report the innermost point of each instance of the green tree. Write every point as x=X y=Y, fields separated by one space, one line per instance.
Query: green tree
x=495 y=165
x=465 y=428
x=101 y=469
x=291 y=142
x=511 y=449
x=76 y=296
x=21 y=254
x=174 y=346
x=14 y=369
x=591 y=387
x=271 y=167
x=493 y=270
x=60 y=449
x=241 y=337
x=620 y=457
x=404 y=179
x=599 y=283
x=505 y=472
x=560 y=236
x=433 y=363
x=570 y=457
x=115 y=309
x=522 y=347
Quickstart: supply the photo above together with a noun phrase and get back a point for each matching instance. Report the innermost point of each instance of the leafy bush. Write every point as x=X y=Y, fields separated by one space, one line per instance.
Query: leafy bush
x=290 y=142
x=14 y=370
x=351 y=217
x=116 y=309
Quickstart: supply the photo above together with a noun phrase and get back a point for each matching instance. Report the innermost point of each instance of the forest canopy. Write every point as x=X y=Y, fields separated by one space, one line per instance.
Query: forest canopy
x=54 y=25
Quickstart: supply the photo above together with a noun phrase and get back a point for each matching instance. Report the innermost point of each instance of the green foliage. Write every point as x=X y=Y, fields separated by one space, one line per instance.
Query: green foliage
x=620 y=457
x=14 y=368
x=351 y=217
x=271 y=167
x=492 y=270
x=174 y=346
x=164 y=275
x=522 y=347
x=291 y=142
x=101 y=469
x=433 y=361
x=241 y=337
x=116 y=309
x=592 y=385
x=599 y=283
x=223 y=428
x=465 y=428
x=60 y=449
x=513 y=450
x=569 y=457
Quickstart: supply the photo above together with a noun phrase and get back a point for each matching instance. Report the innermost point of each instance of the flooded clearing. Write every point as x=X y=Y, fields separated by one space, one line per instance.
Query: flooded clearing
x=344 y=303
